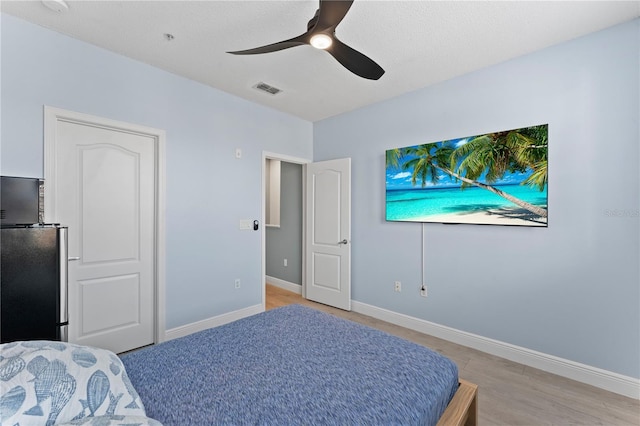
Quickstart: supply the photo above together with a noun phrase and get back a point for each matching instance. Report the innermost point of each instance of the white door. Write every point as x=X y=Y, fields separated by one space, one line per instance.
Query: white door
x=105 y=189
x=328 y=233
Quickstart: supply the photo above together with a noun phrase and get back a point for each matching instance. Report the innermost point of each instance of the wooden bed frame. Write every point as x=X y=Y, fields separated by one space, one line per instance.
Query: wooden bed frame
x=463 y=407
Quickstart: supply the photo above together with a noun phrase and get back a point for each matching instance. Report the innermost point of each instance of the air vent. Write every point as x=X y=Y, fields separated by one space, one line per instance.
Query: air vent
x=267 y=88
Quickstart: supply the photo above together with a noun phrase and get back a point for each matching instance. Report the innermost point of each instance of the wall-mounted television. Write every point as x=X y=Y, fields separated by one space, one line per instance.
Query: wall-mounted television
x=495 y=178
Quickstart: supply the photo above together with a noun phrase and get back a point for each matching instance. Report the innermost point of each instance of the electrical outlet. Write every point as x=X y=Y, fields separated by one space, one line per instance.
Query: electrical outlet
x=397 y=286
x=423 y=291
x=285 y=262
x=237 y=283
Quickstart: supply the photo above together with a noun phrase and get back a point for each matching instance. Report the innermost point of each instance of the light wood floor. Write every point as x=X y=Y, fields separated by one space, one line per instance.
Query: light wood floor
x=509 y=393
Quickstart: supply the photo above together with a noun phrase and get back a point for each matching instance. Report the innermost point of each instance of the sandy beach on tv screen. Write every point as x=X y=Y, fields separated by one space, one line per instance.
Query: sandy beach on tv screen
x=504 y=216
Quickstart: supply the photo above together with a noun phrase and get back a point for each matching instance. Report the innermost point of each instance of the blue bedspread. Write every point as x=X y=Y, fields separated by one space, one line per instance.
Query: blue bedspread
x=292 y=365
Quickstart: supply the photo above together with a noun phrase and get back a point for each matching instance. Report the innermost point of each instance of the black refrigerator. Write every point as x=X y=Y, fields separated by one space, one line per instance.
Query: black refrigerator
x=33 y=283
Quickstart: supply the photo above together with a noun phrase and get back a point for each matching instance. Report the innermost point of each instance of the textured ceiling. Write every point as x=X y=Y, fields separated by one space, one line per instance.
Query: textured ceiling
x=418 y=43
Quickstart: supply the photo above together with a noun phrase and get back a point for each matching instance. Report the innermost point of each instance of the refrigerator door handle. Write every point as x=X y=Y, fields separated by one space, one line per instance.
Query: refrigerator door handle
x=64 y=275
x=64 y=333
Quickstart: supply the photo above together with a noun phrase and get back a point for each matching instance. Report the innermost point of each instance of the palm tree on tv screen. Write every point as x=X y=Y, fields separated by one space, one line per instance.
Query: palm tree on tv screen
x=492 y=155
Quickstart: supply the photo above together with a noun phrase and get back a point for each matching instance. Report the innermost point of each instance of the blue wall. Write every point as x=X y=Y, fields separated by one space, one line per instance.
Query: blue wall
x=571 y=290
x=208 y=189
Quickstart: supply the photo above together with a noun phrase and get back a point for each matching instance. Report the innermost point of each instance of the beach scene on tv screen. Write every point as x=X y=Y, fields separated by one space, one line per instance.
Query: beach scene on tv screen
x=496 y=178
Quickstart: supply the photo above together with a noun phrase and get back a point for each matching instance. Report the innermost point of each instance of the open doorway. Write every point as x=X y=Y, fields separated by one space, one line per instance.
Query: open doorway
x=283 y=216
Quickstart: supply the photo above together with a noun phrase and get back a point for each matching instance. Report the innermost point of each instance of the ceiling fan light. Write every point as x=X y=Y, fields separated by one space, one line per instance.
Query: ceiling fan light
x=321 y=41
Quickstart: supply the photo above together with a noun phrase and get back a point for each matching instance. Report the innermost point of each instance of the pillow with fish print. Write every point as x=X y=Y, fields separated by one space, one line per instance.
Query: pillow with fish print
x=46 y=383
x=113 y=421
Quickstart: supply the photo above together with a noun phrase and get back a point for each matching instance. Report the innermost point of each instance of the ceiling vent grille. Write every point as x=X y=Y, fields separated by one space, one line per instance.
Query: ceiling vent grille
x=272 y=90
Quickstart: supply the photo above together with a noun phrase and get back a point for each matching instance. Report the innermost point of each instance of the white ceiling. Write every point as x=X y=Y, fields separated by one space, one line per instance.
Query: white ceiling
x=418 y=43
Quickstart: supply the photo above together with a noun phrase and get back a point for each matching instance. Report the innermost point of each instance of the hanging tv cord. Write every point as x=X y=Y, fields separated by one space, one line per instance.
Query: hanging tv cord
x=423 y=289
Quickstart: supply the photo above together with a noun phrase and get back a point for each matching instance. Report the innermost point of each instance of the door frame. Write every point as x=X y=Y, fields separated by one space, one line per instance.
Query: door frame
x=54 y=115
x=287 y=159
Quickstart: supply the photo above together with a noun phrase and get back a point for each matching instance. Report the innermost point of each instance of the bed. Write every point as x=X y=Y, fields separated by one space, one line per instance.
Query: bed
x=288 y=366
x=297 y=365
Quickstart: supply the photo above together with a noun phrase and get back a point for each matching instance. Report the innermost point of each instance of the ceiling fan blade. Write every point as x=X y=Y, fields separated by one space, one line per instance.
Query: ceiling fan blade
x=331 y=13
x=274 y=47
x=355 y=61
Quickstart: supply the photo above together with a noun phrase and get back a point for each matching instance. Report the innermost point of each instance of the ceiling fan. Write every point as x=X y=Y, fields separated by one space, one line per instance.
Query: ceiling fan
x=321 y=35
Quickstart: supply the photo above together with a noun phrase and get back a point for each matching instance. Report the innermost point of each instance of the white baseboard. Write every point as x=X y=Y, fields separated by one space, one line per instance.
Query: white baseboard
x=194 y=327
x=607 y=380
x=286 y=285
